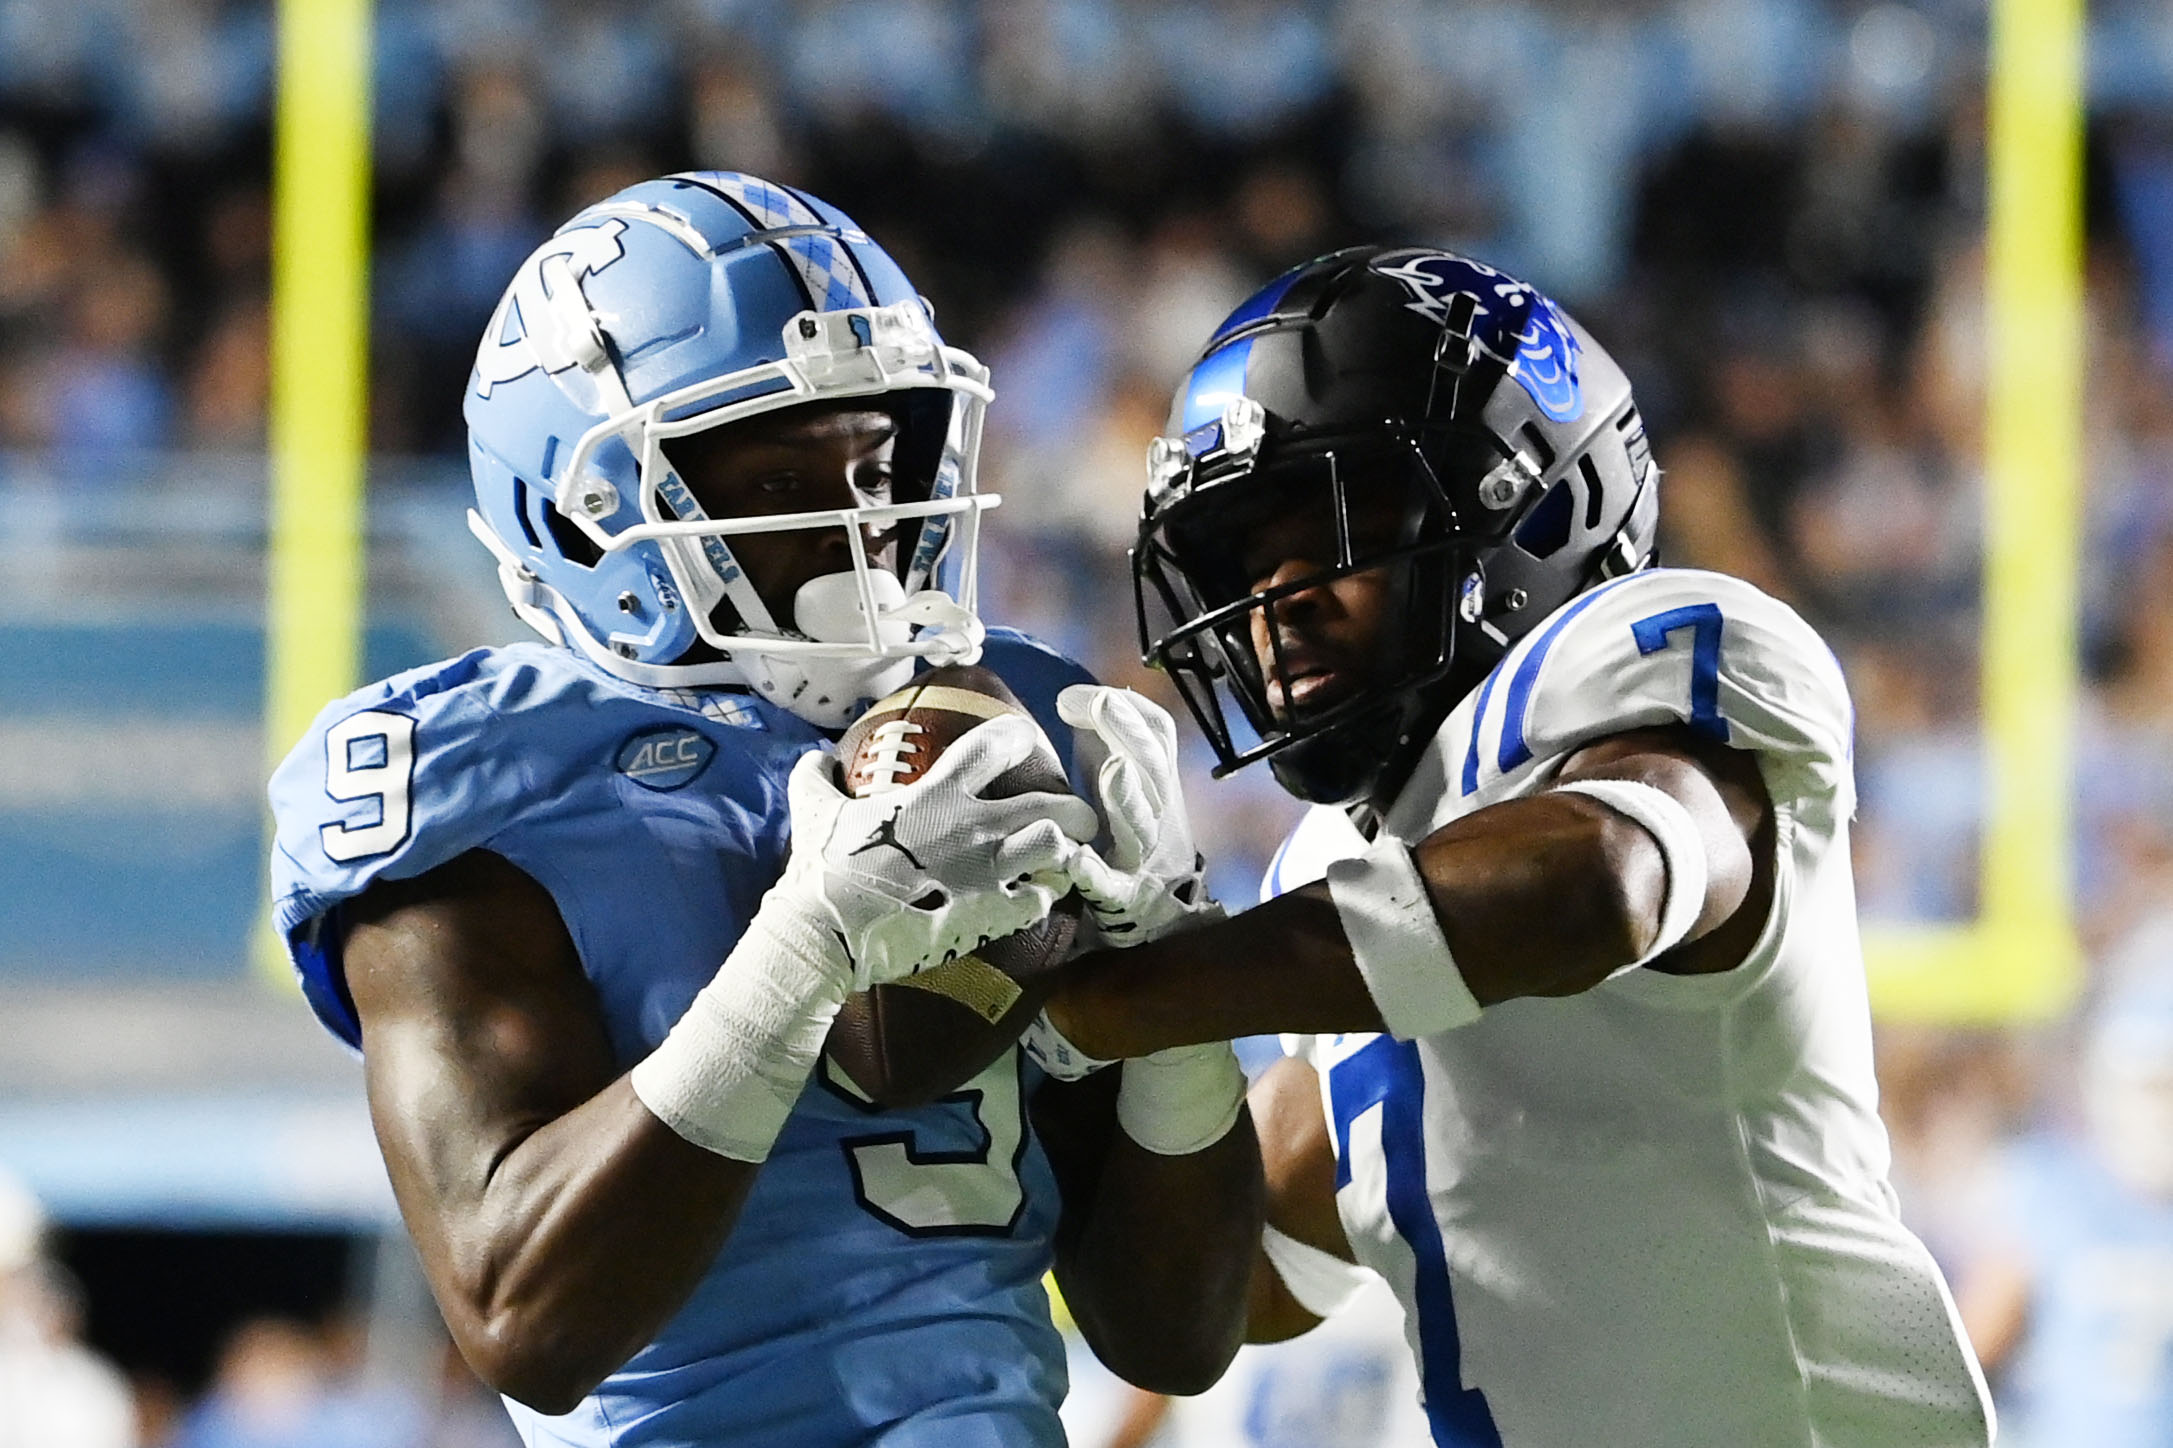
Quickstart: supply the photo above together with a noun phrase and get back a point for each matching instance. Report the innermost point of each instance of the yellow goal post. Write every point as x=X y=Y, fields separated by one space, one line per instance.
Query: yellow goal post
x=2018 y=960
x=316 y=552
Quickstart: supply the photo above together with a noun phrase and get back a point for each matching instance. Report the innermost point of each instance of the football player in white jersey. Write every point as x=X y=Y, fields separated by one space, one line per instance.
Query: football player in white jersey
x=1587 y=1071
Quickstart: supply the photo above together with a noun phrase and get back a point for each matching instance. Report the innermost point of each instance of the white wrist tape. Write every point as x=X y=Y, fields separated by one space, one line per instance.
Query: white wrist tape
x=732 y=1069
x=1181 y=1100
x=1053 y=1051
x=1397 y=942
x=1682 y=847
x=1320 y=1281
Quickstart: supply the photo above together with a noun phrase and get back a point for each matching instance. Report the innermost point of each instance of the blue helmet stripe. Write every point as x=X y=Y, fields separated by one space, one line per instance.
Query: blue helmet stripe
x=824 y=212
x=1259 y=304
x=1219 y=377
x=866 y=283
x=826 y=271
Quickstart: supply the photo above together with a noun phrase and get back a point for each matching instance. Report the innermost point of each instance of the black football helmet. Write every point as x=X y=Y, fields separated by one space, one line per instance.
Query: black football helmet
x=1381 y=408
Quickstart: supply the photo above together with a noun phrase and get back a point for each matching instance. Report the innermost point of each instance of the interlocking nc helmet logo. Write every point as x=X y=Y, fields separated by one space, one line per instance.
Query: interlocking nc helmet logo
x=543 y=320
x=886 y=833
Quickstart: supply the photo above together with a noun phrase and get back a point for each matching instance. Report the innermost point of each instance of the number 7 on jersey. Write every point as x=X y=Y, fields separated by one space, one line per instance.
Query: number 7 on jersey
x=1704 y=622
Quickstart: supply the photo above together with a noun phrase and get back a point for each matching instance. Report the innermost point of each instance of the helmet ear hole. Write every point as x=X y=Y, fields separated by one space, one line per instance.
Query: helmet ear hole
x=521 y=504
x=574 y=546
x=1546 y=528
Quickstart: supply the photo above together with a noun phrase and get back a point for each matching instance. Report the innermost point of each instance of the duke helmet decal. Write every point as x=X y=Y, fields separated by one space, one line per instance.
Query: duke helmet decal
x=666 y=757
x=1515 y=324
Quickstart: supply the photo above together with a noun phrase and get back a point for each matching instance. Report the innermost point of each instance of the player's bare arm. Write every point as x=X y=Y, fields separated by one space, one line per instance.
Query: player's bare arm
x=562 y=1210
x=1542 y=896
x=559 y=1222
x=1154 y=1252
x=1157 y=1160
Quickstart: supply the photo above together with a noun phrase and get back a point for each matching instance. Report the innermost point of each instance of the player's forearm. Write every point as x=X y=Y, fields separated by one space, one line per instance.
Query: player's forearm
x=557 y=1258
x=1539 y=896
x=1542 y=896
x=1283 y=966
x=1159 y=1276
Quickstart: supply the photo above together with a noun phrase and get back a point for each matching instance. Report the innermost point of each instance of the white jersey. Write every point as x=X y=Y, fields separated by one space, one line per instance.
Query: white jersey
x=1655 y=1213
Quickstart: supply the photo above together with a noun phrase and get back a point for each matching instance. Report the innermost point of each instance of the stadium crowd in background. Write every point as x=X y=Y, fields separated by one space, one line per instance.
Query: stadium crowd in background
x=54 y=1391
x=1773 y=210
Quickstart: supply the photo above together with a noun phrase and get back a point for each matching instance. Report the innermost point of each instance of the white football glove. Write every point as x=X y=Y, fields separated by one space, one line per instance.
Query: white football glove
x=1147 y=882
x=922 y=874
x=874 y=890
x=1147 y=885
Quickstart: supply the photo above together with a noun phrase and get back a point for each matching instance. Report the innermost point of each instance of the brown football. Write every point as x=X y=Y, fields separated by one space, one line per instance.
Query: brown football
x=906 y=1043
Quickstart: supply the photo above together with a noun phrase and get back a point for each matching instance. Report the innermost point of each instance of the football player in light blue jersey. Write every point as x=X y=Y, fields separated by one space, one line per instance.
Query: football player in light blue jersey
x=726 y=466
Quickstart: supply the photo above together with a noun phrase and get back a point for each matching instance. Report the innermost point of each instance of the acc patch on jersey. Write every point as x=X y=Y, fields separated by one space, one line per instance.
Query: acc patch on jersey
x=666 y=757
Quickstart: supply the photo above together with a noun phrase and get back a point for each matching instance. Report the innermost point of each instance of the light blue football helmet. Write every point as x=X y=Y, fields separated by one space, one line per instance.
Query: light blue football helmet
x=693 y=302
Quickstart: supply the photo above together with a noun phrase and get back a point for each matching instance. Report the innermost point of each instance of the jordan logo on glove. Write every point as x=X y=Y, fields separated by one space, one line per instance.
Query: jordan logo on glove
x=886 y=833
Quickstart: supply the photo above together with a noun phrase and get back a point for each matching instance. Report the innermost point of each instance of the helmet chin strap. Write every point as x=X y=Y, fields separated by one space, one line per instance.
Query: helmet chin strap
x=831 y=693
x=828 y=693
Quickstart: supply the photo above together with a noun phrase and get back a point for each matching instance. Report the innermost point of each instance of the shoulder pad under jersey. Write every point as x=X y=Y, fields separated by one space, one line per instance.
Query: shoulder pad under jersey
x=409 y=773
x=1322 y=835
x=1666 y=646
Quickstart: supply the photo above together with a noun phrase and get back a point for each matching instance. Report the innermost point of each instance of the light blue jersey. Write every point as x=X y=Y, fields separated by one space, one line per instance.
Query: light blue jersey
x=2096 y=1366
x=883 y=1285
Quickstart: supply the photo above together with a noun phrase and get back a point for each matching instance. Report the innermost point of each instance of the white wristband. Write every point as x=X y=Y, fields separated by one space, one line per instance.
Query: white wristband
x=1397 y=943
x=1320 y=1281
x=1053 y=1051
x=1682 y=848
x=732 y=1069
x=1181 y=1100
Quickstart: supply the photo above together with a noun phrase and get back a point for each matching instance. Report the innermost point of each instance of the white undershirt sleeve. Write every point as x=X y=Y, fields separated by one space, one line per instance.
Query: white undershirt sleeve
x=1320 y=1281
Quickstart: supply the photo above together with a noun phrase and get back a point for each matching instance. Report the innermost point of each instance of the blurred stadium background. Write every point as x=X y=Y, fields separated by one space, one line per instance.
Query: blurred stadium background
x=1773 y=211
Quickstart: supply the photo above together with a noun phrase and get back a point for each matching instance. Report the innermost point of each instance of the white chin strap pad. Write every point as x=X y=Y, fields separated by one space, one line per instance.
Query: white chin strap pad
x=827 y=609
x=829 y=693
